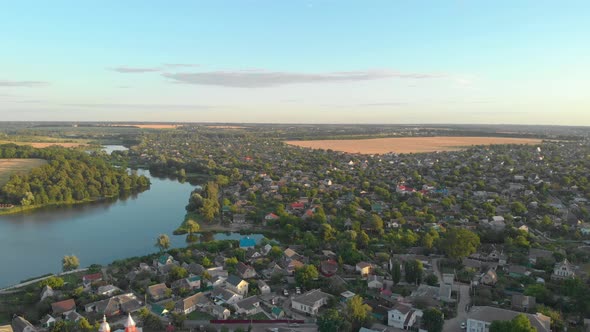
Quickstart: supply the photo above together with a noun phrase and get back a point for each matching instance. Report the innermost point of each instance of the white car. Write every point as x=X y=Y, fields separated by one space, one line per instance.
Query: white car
x=463 y=326
x=285 y=292
x=298 y=290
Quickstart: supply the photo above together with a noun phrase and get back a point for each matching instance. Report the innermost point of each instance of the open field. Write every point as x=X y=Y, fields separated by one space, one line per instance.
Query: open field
x=148 y=126
x=225 y=127
x=409 y=144
x=45 y=144
x=10 y=166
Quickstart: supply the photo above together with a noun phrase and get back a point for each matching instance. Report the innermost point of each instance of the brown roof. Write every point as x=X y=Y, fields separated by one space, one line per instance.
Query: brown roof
x=63 y=306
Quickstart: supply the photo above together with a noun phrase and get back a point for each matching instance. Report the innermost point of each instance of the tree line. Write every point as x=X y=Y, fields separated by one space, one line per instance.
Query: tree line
x=69 y=176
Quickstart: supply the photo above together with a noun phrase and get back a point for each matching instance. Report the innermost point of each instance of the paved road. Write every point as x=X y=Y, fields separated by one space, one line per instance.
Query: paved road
x=14 y=289
x=454 y=325
x=194 y=324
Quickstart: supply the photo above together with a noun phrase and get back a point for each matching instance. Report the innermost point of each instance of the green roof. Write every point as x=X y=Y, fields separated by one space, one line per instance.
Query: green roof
x=276 y=310
x=195 y=278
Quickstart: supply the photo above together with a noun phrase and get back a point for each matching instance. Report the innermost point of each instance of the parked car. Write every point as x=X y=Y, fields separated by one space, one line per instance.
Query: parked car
x=285 y=292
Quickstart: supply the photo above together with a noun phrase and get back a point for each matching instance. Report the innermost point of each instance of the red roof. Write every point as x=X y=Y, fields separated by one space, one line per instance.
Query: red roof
x=63 y=306
x=297 y=205
x=92 y=277
x=272 y=216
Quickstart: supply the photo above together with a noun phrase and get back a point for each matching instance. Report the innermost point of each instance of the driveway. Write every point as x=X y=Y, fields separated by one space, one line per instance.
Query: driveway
x=454 y=325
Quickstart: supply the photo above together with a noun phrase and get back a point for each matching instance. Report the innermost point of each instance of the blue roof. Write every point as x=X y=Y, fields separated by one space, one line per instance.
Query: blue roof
x=246 y=242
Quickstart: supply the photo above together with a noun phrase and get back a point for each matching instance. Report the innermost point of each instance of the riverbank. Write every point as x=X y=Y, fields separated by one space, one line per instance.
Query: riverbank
x=20 y=209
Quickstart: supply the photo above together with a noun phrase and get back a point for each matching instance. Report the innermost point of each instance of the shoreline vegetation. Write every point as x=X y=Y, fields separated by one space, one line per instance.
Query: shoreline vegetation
x=67 y=177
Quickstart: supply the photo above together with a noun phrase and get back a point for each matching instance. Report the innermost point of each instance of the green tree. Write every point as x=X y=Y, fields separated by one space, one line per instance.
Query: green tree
x=520 y=323
x=413 y=270
x=357 y=312
x=518 y=208
x=84 y=325
x=305 y=275
x=53 y=282
x=459 y=242
x=433 y=320
x=70 y=263
x=177 y=272
x=162 y=242
x=330 y=321
x=396 y=272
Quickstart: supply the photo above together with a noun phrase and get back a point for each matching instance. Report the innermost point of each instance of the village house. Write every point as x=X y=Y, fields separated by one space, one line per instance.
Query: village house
x=63 y=308
x=263 y=287
x=222 y=295
x=236 y=285
x=192 y=303
x=158 y=292
x=248 y=306
x=364 y=269
x=523 y=303
x=119 y=304
x=563 y=270
x=245 y=271
x=219 y=312
x=88 y=279
x=489 y=278
x=19 y=324
x=46 y=322
x=374 y=282
x=310 y=302
x=401 y=316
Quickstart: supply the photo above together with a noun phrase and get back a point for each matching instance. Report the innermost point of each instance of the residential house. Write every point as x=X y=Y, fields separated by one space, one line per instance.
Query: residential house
x=88 y=279
x=277 y=313
x=192 y=303
x=237 y=285
x=108 y=290
x=563 y=270
x=219 y=312
x=19 y=324
x=310 y=302
x=517 y=271
x=401 y=316
x=364 y=268
x=374 y=282
x=271 y=216
x=158 y=292
x=523 y=303
x=47 y=321
x=263 y=287
x=189 y=283
x=479 y=319
x=222 y=295
x=239 y=218
x=163 y=260
x=124 y=303
x=245 y=271
x=489 y=278
x=248 y=306
x=62 y=308
x=328 y=267
x=47 y=292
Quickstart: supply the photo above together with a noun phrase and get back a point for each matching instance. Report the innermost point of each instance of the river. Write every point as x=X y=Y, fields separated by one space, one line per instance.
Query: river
x=33 y=243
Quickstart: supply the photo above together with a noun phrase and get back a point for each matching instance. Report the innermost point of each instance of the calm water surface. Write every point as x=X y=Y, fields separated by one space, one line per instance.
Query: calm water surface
x=33 y=243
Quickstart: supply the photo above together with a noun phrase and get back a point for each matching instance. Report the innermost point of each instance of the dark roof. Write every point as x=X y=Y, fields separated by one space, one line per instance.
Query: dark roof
x=234 y=280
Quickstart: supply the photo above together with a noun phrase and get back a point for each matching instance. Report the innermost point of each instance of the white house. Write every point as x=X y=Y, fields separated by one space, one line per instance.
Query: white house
x=310 y=302
x=248 y=306
x=401 y=316
x=263 y=286
x=563 y=270
x=375 y=282
x=236 y=285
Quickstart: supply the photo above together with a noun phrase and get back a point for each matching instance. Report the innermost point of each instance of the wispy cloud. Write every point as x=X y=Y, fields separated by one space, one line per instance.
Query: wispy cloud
x=180 y=65
x=384 y=104
x=140 y=106
x=135 y=70
x=25 y=84
x=262 y=79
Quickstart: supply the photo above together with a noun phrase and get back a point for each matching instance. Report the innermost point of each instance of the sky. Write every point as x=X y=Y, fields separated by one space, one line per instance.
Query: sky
x=290 y=61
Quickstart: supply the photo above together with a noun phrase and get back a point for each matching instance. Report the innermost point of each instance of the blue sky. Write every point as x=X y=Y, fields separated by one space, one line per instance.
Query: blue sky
x=296 y=61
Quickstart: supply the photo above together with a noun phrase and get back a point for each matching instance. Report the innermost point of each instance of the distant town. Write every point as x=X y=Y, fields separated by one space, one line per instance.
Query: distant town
x=479 y=235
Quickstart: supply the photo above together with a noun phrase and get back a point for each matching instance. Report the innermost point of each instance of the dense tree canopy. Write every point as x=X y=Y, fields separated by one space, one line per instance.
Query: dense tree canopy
x=459 y=242
x=69 y=176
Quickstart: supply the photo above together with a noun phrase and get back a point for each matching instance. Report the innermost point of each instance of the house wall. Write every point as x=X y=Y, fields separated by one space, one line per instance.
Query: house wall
x=477 y=326
x=313 y=310
x=396 y=319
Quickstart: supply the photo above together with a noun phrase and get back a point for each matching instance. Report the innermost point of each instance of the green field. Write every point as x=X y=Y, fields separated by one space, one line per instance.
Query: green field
x=11 y=166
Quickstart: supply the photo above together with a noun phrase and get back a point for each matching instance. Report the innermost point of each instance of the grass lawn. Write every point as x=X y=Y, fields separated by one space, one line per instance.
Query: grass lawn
x=11 y=166
x=197 y=315
x=260 y=316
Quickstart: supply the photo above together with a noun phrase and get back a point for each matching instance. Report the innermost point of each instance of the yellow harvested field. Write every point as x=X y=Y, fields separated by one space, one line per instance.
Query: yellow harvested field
x=409 y=144
x=46 y=144
x=11 y=166
x=148 y=126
